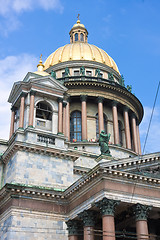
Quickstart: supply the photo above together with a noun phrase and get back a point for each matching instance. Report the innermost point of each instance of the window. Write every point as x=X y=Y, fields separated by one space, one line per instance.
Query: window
x=43 y=111
x=97 y=125
x=75 y=126
x=89 y=73
x=120 y=133
x=76 y=37
x=76 y=73
x=82 y=37
x=63 y=74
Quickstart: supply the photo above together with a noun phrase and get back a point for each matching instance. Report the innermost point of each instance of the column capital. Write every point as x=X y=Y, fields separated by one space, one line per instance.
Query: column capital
x=114 y=103
x=32 y=92
x=133 y=115
x=68 y=99
x=107 y=206
x=83 y=98
x=126 y=109
x=141 y=211
x=60 y=99
x=13 y=108
x=64 y=104
x=88 y=218
x=100 y=99
x=23 y=94
x=73 y=227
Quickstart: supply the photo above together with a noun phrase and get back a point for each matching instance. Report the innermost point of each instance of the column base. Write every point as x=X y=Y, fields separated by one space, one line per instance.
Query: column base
x=104 y=158
x=20 y=128
x=30 y=126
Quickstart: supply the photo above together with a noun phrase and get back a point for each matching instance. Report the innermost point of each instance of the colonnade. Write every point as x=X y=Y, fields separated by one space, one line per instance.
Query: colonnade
x=64 y=120
x=21 y=112
x=107 y=209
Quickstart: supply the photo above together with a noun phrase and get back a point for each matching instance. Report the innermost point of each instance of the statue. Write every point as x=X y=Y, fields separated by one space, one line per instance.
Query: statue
x=98 y=73
x=122 y=81
x=103 y=143
x=110 y=76
x=82 y=70
x=129 y=88
x=53 y=74
x=67 y=73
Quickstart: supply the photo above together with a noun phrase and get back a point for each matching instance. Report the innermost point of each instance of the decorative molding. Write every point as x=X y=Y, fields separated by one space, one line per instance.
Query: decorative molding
x=141 y=212
x=100 y=99
x=88 y=217
x=83 y=98
x=73 y=227
x=107 y=206
x=60 y=100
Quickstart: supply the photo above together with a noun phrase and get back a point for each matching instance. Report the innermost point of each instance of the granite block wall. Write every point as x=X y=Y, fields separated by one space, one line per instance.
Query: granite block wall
x=27 y=225
x=40 y=170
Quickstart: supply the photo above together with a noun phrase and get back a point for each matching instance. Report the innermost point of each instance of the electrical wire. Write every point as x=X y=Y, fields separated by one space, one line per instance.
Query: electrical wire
x=151 y=118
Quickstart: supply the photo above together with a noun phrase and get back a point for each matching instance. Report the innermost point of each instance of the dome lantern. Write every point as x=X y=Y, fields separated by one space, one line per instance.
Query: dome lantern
x=78 y=32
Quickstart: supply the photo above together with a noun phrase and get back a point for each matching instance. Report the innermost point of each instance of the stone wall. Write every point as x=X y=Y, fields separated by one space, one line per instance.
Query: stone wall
x=40 y=170
x=25 y=225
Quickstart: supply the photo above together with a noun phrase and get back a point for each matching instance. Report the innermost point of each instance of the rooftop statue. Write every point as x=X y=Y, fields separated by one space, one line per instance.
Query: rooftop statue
x=110 y=76
x=82 y=70
x=67 y=73
x=98 y=73
x=103 y=143
x=129 y=88
x=122 y=81
x=53 y=74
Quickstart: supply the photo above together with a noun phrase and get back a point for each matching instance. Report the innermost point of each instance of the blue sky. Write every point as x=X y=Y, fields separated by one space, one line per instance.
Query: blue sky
x=128 y=30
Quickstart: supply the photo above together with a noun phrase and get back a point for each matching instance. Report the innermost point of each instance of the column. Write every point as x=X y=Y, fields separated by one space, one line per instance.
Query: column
x=115 y=122
x=127 y=128
x=73 y=229
x=134 y=132
x=107 y=208
x=139 y=141
x=68 y=119
x=64 y=118
x=84 y=117
x=13 y=109
x=21 y=115
x=60 y=102
x=100 y=114
x=31 y=109
x=88 y=218
x=141 y=213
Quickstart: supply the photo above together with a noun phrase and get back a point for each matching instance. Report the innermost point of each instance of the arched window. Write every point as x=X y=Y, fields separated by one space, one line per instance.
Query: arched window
x=43 y=111
x=120 y=133
x=76 y=37
x=82 y=37
x=97 y=125
x=75 y=126
x=44 y=116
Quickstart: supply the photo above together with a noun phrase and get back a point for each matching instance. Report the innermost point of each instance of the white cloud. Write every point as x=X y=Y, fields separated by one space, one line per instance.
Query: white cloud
x=152 y=144
x=13 y=68
x=10 y=10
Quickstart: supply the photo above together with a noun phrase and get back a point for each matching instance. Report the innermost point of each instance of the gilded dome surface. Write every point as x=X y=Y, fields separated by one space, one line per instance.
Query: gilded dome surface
x=80 y=51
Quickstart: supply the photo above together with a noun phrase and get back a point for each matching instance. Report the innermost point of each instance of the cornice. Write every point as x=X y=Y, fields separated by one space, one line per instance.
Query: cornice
x=79 y=63
x=19 y=146
x=107 y=91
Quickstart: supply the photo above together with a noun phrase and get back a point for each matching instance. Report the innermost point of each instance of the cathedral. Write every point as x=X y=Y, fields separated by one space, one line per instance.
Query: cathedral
x=72 y=167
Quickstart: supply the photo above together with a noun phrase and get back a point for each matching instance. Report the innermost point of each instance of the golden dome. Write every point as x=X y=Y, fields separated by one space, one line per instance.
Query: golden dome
x=80 y=51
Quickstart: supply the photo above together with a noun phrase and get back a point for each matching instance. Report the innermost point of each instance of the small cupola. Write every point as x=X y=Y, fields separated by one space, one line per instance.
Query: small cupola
x=78 y=32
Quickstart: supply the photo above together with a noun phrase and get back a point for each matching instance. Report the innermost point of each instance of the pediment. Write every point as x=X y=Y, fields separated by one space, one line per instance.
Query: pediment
x=49 y=82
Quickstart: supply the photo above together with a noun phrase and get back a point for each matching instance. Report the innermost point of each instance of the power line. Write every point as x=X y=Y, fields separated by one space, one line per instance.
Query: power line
x=151 y=118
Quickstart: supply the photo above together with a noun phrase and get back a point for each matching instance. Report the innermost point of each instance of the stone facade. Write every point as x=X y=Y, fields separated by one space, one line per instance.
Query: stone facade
x=52 y=170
